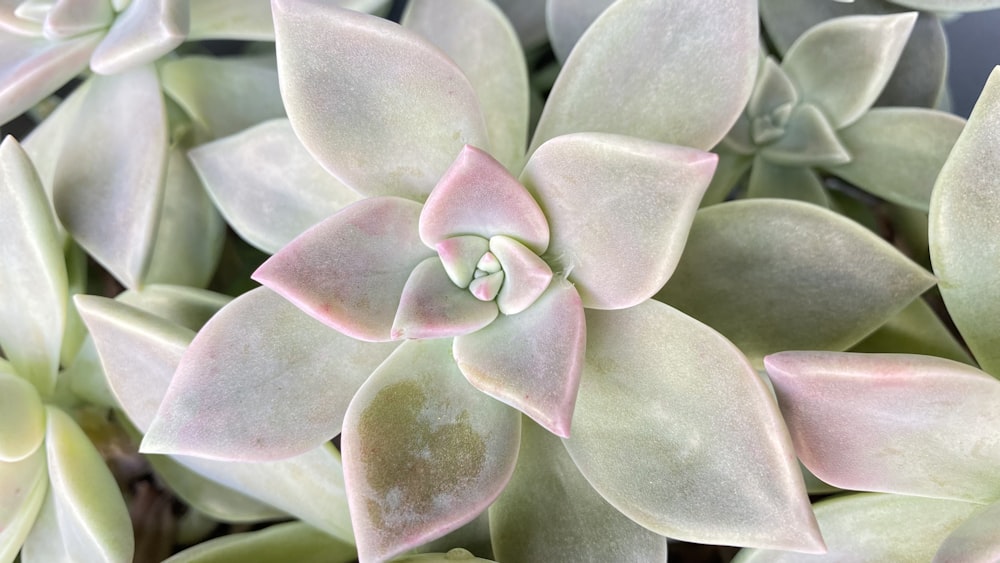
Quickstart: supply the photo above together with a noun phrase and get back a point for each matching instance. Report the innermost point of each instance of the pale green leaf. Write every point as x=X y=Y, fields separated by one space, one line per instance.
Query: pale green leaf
x=92 y=515
x=107 y=192
x=772 y=180
x=424 y=451
x=674 y=72
x=277 y=544
x=949 y=6
x=377 y=105
x=22 y=490
x=268 y=201
x=619 y=210
x=187 y=306
x=76 y=278
x=566 y=20
x=895 y=423
x=457 y=554
x=477 y=36
x=246 y=20
x=872 y=528
x=842 y=65
x=974 y=540
x=777 y=275
x=807 y=139
x=915 y=330
x=262 y=355
x=69 y=18
x=728 y=173
x=896 y=153
x=145 y=31
x=45 y=142
x=549 y=512
x=688 y=404
x=22 y=418
x=32 y=68
x=964 y=231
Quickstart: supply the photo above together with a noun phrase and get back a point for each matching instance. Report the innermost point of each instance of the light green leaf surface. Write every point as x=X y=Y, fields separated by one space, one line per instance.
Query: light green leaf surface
x=771 y=180
x=975 y=540
x=690 y=409
x=33 y=280
x=187 y=306
x=45 y=142
x=566 y=20
x=214 y=92
x=281 y=543
x=806 y=140
x=674 y=72
x=549 y=512
x=873 y=528
x=477 y=36
x=432 y=306
x=45 y=542
x=730 y=170
x=260 y=354
x=190 y=235
x=69 y=18
x=896 y=153
x=93 y=519
x=424 y=451
x=777 y=275
x=22 y=418
x=108 y=192
x=74 y=333
x=845 y=81
x=619 y=210
x=378 y=106
x=915 y=330
x=894 y=423
x=32 y=68
x=949 y=6
x=247 y=20
x=964 y=231
x=145 y=31
x=22 y=490
x=458 y=554
x=268 y=201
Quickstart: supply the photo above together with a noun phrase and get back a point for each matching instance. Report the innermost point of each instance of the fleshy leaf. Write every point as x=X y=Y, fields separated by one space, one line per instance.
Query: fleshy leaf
x=974 y=540
x=187 y=306
x=432 y=306
x=108 y=192
x=532 y=360
x=896 y=153
x=619 y=210
x=356 y=86
x=965 y=234
x=771 y=180
x=458 y=554
x=349 y=271
x=263 y=354
x=92 y=515
x=777 y=275
x=190 y=233
x=874 y=527
x=896 y=423
x=527 y=275
x=33 y=280
x=22 y=490
x=144 y=32
x=807 y=140
x=728 y=173
x=246 y=20
x=212 y=90
x=33 y=68
x=268 y=201
x=477 y=196
x=69 y=18
x=915 y=330
x=676 y=390
x=566 y=21
x=486 y=48
x=22 y=419
x=549 y=512
x=773 y=90
x=846 y=80
x=682 y=80
x=949 y=6
x=293 y=541
x=460 y=257
x=424 y=451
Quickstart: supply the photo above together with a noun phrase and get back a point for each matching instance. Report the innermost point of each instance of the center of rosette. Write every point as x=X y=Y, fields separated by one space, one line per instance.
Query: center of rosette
x=487 y=279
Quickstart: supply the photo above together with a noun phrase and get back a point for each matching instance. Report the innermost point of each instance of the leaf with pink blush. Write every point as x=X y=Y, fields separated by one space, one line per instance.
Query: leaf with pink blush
x=549 y=512
x=69 y=18
x=694 y=412
x=32 y=68
x=875 y=528
x=460 y=257
x=432 y=306
x=526 y=275
x=964 y=231
x=532 y=360
x=486 y=48
x=377 y=105
x=975 y=539
x=349 y=271
x=145 y=31
x=477 y=196
x=619 y=210
x=424 y=451
x=672 y=72
x=897 y=423
x=260 y=354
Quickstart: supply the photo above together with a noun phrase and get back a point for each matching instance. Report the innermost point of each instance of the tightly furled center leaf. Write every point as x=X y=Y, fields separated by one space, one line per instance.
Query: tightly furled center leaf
x=505 y=270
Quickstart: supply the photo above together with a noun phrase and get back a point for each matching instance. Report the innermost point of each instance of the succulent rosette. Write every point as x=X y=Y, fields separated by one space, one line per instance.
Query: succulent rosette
x=472 y=284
